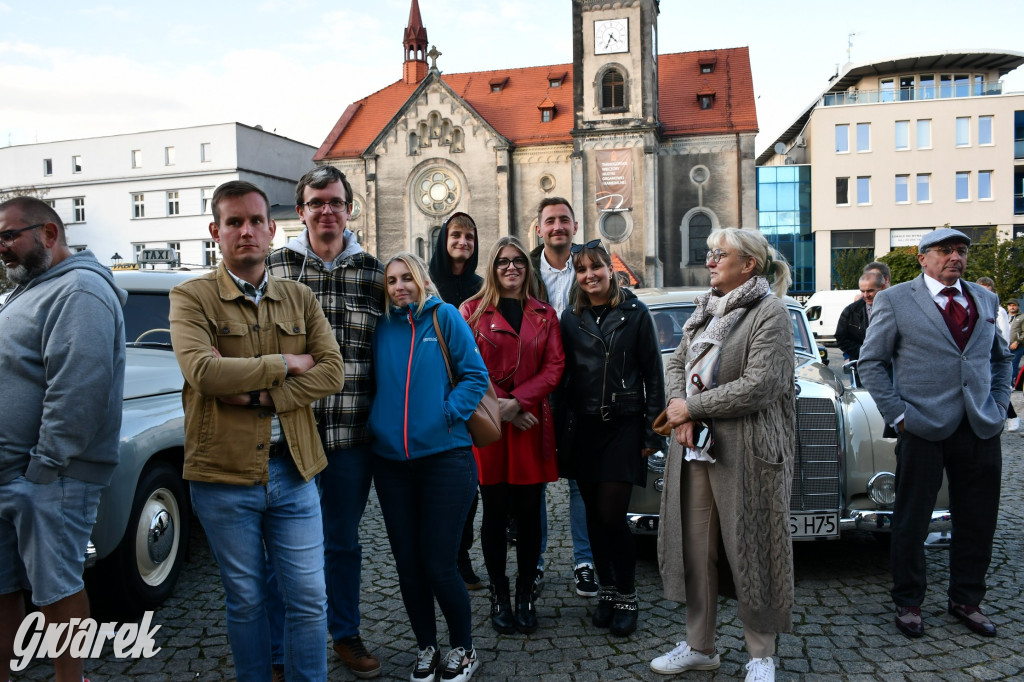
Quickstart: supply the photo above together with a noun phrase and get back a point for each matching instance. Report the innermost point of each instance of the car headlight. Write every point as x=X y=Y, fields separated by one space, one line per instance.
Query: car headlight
x=882 y=488
x=656 y=462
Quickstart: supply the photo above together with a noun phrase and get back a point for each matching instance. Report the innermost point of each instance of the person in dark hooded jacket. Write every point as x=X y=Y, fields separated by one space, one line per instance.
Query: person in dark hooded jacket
x=453 y=273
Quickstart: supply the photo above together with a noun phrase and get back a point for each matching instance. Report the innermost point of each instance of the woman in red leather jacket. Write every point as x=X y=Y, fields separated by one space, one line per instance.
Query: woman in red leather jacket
x=521 y=344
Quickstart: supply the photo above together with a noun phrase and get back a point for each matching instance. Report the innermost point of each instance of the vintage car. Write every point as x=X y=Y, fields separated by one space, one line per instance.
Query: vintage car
x=141 y=534
x=843 y=469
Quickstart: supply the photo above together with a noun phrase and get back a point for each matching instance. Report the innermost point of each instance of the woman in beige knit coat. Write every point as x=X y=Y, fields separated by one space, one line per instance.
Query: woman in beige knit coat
x=729 y=471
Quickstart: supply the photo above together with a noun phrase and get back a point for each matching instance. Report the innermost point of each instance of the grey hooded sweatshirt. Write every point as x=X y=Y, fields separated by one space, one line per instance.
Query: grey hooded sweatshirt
x=62 y=360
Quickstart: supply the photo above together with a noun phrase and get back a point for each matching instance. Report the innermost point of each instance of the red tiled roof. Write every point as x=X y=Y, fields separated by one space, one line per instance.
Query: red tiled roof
x=619 y=265
x=513 y=110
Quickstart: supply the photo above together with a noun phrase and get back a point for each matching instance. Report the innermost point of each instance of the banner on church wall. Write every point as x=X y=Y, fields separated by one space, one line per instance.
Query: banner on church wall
x=614 y=179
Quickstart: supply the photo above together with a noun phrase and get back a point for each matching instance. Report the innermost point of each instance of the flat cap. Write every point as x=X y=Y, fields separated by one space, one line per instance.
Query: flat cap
x=943 y=234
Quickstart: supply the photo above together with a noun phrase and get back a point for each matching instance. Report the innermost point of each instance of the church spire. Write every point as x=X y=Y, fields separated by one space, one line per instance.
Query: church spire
x=415 y=44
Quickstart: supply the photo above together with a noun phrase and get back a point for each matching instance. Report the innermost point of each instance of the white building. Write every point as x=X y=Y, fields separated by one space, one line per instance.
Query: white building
x=121 y=194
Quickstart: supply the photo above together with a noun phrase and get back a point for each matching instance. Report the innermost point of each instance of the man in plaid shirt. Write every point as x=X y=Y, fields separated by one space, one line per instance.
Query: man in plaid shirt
x=349 y=283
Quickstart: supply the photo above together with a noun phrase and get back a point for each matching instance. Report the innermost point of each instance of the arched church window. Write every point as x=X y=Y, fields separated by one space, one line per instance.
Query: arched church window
x=414 y=144
x=424 y=134
x=699 y=230
x=437 y=191
x=458 y=140
x=613 y=90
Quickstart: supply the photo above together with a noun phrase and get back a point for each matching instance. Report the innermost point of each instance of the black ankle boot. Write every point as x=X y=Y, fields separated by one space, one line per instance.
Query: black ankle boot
x=526 y=615
x=502 y=619
x=605 y=602
x=624 y=614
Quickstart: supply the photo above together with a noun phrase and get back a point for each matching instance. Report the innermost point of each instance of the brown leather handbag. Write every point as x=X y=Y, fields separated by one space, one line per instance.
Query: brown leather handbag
x=485 y=423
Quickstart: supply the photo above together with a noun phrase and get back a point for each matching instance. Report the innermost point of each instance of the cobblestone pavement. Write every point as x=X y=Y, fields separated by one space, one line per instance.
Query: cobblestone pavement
x=842 y=622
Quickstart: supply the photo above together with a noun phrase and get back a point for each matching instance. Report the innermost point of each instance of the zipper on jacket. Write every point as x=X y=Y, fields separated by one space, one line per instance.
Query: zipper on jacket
x=408 y=378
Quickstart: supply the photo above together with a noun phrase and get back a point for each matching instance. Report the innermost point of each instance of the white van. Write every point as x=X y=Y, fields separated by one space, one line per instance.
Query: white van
x=823 y=311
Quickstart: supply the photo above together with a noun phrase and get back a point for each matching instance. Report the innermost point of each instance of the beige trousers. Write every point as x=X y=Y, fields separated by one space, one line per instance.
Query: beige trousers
x=701 y=528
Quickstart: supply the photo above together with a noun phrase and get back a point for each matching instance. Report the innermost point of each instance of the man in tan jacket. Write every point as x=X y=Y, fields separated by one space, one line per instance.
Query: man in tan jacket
x=256 y=351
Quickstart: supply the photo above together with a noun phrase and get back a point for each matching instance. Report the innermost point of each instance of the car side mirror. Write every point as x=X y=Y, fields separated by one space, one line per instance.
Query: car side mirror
x=823 y=354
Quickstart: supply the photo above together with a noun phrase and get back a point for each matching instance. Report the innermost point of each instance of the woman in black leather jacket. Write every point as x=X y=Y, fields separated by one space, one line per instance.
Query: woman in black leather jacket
x=613 y=390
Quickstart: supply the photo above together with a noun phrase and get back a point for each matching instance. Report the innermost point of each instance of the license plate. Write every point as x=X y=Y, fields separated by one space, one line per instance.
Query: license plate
x=823 y=524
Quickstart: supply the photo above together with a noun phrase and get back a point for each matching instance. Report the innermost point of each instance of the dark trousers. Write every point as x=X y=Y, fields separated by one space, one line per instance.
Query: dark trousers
x=973 y=468
x=424 y=503
x=522 y=502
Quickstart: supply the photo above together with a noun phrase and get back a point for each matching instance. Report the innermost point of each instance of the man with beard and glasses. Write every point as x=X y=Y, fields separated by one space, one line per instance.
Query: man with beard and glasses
x=62 y=354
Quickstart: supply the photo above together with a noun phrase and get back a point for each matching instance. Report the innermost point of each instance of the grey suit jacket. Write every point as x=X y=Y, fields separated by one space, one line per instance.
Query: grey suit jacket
x=933 y=383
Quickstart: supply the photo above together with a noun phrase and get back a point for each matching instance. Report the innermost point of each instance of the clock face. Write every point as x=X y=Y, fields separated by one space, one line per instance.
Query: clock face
x=611 y=36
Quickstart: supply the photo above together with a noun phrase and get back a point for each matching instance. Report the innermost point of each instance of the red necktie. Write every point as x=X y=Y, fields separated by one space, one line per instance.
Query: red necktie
x=956 y=315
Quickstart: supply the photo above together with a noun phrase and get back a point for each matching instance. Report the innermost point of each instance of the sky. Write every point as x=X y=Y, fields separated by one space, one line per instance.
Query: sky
x=84 y=69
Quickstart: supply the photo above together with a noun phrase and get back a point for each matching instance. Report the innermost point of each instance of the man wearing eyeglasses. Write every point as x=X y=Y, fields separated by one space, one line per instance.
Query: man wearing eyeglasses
x=62 y=350
x=556 y=281
x=349 y=284
x=947 y=397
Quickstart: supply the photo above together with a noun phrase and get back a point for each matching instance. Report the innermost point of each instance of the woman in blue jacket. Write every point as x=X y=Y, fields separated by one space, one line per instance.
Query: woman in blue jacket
x=424 y=469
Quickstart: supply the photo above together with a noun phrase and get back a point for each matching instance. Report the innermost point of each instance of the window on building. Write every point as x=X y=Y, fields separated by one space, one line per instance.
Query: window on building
x=906 y=88
x=205 y=152
x=902 y=135
x=863 y=137
x=887 y=87
x=863 y=190
x=842 y=191
x=173 y=204
x=984 y=130
x=984 y=184
x=902 y=189
x=924 y=188
x=209 y=254
x=963 y=131
x=138 y=205
x=136 y=158
x=545 y=115
x=79 y=204
x=700 y=230
x=52 y=203
x=707 y=101
x=926 y=86
x=138 y=251
x=613 y=90
x=76 y=164
x=47 y=166
x=707 y=68
x=842 y=138
x=962 y=85
x=168 y=156
x=945 y=86
x=963 y=186
x=924 y=133
x=176 y=247
x=554 y=82
x=207 y=198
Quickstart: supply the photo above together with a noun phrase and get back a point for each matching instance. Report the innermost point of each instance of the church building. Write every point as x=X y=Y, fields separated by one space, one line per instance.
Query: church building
x=653 y=150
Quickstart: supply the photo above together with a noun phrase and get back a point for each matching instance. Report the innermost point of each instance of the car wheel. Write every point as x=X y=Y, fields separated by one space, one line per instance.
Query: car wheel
x=150 y=556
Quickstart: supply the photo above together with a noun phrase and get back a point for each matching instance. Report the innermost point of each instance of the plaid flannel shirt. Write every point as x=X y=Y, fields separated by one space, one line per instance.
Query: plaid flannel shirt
x=352 y=297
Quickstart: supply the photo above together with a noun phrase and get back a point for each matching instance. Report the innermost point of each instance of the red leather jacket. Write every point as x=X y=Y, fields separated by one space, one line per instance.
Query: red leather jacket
x=526 y=366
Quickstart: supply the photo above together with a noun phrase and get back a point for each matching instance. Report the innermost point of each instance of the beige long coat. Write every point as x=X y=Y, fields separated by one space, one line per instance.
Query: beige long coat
x=753 y=410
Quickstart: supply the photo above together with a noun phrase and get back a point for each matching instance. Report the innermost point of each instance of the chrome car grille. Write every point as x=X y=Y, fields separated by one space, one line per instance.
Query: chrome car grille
x=816 y=471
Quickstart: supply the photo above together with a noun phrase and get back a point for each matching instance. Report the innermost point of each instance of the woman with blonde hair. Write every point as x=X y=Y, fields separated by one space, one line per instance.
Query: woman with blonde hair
x=519 y=340
x=423 y=468
x=730 y=464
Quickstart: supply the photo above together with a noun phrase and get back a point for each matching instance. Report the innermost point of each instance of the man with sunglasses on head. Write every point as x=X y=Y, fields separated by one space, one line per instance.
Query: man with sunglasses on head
x=939 y=372
x=349 y=284
x=62 y=350
x=556 y=281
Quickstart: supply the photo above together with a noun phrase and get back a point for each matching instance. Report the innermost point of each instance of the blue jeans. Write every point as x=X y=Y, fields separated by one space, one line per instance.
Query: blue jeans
x=581 y=552
x=424 y=502
x=1015 y=367
x=284 y=518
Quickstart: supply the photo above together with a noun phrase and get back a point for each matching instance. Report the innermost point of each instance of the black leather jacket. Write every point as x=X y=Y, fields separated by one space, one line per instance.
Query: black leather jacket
x=614 y=371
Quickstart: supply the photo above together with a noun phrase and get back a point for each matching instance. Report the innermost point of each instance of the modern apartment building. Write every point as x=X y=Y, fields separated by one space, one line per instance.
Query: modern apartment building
x=893 y=149
x=121 y=194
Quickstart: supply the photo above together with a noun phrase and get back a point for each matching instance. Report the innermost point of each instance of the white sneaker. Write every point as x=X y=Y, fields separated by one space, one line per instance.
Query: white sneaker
x=426 y=665
x=1013 y=424
x=683 y=658
x=761 y=670
x=459 y=665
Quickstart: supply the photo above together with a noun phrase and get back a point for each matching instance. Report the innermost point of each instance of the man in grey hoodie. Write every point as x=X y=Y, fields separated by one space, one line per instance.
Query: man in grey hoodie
x=349 y=283
x=62 y=356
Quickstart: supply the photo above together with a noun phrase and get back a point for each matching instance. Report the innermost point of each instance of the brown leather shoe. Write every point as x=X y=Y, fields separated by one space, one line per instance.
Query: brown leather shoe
x=974 y=619
x=361 y=662
x=908 y=621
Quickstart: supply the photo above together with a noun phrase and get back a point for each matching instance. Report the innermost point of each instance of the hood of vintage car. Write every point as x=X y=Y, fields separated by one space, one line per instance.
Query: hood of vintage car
x=811 y=370
x=150 y=371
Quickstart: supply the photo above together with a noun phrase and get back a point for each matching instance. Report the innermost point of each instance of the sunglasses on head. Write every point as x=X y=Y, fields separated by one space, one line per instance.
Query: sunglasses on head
x=592 y=244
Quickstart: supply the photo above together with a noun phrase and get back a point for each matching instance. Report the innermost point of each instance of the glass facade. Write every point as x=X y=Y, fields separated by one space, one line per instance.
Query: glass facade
x=784 y=218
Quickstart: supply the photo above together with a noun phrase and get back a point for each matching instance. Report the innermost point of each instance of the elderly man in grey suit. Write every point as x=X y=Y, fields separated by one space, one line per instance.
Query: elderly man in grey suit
x=947 y=397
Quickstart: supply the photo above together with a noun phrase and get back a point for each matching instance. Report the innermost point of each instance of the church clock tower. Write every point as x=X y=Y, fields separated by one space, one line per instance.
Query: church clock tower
x=615 y=127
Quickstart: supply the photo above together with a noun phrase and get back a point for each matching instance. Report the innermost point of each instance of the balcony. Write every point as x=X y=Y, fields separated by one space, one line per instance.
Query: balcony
x=1018 y=148
x=943 y=90
x=1018 y=204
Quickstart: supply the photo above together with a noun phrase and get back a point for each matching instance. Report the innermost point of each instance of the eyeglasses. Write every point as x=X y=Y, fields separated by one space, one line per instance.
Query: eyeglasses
x=947 y=250
x=317 y=205
x=8 y=236
x=715 y=255
x=592 y=244
x=518 y=263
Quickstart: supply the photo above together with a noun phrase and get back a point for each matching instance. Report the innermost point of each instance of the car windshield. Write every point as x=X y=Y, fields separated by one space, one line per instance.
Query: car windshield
x=147 y=312
x=669 y=321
